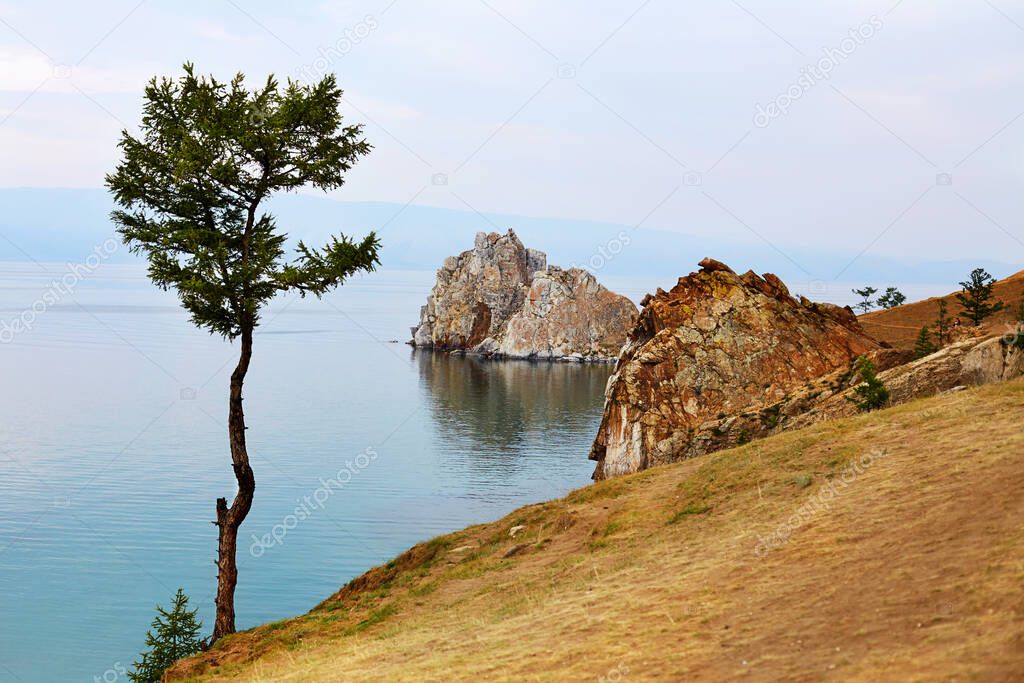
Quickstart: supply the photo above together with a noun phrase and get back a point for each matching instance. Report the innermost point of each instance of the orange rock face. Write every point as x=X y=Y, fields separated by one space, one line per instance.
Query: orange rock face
x=716 y=345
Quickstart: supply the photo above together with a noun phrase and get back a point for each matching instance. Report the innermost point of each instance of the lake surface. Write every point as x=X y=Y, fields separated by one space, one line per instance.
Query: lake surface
x=114 y=449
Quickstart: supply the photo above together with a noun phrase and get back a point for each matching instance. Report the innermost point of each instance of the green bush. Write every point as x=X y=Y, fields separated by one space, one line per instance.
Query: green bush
x=174 y=636
x=871 y=393
x=924 y=346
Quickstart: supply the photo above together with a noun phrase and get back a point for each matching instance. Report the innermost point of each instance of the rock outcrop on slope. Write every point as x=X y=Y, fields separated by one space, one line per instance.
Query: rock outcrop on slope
x=501 y=299
x=966 y=363
x=717 y=345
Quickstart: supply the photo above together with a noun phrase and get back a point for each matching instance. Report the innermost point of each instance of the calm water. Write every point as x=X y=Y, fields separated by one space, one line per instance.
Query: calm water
x=113 y=450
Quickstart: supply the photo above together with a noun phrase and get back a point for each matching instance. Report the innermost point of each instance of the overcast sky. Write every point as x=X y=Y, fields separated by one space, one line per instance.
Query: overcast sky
x=892 y=127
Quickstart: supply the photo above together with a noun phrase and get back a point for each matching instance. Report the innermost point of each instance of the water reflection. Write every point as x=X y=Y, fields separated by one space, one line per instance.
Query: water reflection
x=95 y=435
x=500 y=413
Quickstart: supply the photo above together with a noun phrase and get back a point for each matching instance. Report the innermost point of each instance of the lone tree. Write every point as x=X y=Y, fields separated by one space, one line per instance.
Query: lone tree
x=866 y=303
x=892 y=298
x=190 y=190
x=173 y=635
x=976 y=297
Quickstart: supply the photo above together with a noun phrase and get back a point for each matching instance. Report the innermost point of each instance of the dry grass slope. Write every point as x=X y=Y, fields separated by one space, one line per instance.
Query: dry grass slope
x=900 y=326
x=912 y=570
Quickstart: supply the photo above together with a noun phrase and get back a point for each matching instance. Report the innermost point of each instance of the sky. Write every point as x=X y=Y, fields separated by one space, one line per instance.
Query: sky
x=889 y=128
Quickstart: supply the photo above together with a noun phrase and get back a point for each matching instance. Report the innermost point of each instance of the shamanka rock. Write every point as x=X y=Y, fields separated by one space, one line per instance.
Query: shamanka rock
x=501 y=299
x=717 y=346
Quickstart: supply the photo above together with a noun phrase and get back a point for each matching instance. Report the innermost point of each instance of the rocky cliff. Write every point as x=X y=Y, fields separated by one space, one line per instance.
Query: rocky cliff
x=717 y=345
x=501 y=299
x=966 y=363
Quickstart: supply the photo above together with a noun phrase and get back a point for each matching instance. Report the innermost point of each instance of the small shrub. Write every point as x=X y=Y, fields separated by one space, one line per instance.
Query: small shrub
x=174 y=636
x=924 y=346
x=871 y=393
x=770 y=417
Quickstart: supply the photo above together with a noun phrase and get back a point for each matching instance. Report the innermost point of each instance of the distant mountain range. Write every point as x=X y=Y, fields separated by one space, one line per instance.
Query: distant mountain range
x=67 y=224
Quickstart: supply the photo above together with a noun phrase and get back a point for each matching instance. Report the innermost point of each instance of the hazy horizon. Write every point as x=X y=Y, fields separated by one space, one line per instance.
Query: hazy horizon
x=881 y=129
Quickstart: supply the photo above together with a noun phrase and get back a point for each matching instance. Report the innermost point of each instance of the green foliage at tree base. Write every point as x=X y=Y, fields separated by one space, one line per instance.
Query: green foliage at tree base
x=174 y=635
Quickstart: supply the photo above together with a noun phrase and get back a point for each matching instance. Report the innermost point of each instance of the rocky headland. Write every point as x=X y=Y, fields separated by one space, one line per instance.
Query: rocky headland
x=716 y=344
x=502 y=300
x=724 y=358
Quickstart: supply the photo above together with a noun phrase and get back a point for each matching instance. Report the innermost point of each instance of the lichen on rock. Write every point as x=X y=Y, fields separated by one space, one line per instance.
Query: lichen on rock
x=717 y=345
x=501 y=299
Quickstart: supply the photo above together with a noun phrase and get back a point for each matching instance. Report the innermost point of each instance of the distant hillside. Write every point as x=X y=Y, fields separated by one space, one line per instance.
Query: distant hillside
x=900 y=326
x=67 y=224
x=882 y=547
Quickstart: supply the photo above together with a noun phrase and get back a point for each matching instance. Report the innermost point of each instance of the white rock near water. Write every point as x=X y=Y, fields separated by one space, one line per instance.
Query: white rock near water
x=501 y=299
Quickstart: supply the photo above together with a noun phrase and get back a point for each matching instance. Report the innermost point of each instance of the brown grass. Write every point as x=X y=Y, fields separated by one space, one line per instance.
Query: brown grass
x=900 y=326
x=914 y=571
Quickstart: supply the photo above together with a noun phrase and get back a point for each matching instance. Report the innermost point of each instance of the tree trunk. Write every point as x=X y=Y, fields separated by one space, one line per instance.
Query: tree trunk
x=229 y=519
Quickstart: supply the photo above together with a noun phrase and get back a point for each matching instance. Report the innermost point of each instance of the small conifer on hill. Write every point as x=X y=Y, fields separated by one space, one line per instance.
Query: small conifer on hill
x=976 y=297
x=871 y=393
x=924 y=346
x=174 y=635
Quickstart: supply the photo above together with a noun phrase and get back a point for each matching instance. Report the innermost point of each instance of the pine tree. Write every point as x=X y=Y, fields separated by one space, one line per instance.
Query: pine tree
x=924 y=346
x=871 y=393
x=866 y=303
x=892 y=298
x=976 y=297
x=942 y=325
x=174 y=635
x=192 y=190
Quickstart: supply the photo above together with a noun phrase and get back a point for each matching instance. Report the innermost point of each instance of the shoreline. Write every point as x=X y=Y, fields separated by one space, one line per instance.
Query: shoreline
x=573 y=358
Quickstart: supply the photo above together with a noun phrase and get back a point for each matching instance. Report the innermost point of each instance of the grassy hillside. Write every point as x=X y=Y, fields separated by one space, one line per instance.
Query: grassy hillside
x=900 y=326
x=888 y=546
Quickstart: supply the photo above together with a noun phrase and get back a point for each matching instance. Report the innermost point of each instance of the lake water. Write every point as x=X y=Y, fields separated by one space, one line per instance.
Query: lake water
x=114 y=448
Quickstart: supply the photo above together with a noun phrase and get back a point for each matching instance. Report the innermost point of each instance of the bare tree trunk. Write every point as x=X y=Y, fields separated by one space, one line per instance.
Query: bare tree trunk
x=229 y=519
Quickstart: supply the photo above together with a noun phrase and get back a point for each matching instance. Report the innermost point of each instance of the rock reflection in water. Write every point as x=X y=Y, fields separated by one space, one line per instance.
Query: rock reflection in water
x=503 y=415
